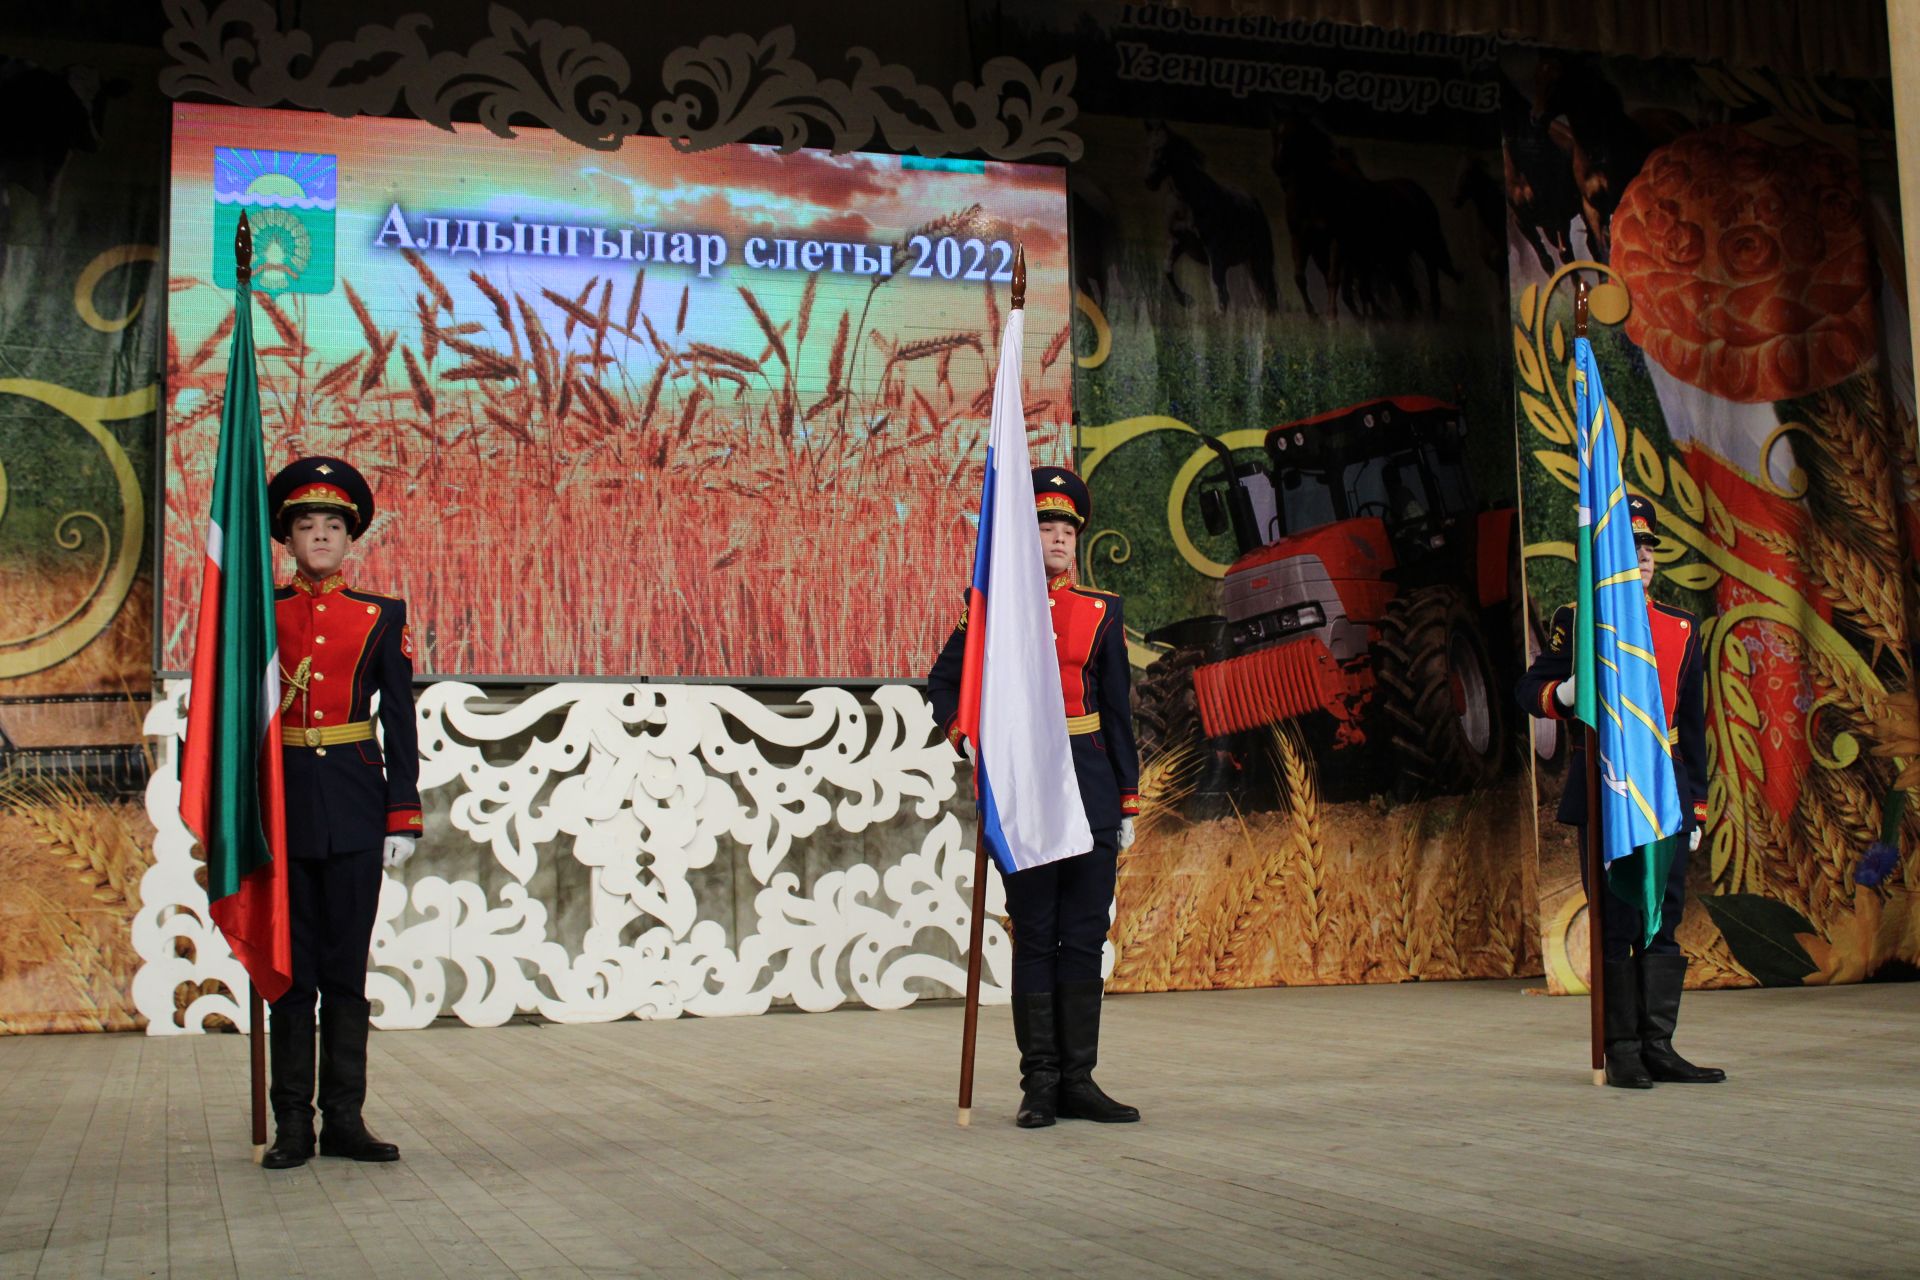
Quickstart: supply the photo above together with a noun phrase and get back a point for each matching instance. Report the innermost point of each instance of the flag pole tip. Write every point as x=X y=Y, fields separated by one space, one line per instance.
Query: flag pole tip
x=1580 y=306
x=259 y=1152
x=243 y=250
x=1600 y=1075
x=1019 y=276
x=965 y=1117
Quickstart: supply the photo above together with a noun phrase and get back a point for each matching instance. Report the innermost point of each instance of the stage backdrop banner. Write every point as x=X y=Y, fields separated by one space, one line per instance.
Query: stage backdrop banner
x=637 y=412
x=80 y=298
x=1279 y=256
x=1741 y=231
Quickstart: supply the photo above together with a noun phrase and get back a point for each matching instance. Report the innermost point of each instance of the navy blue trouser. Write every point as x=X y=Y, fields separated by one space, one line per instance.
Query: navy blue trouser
x=332 y=902
x=1622 y=928
x=1061 y=913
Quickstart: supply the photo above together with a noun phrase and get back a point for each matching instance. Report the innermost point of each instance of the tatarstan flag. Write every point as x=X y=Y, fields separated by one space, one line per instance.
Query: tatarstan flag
x=231 y=792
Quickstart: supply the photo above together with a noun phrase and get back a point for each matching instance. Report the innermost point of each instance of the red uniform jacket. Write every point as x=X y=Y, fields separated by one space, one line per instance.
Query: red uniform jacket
x=1676 y=647
x=338 y=647
x=1090 y=642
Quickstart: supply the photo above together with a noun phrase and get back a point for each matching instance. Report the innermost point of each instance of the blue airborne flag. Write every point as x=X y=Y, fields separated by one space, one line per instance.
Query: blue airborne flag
x=1617 y=678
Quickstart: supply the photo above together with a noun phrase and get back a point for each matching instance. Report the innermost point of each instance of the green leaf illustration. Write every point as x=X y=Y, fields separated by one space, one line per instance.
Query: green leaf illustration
x=1760 y=933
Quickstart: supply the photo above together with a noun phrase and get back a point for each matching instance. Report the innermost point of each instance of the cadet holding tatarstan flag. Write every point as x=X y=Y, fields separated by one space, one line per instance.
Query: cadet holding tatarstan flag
x=1629 y=667
x=232 y=795
x=353 y=804
x=296 y=805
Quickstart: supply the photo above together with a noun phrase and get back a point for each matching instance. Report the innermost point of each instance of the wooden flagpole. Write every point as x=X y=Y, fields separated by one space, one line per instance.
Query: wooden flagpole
x=1596 y=913
x=1596 y=872
x=976 y=932
x=970 y=1030
x=256 y=1007
x=257 y=1055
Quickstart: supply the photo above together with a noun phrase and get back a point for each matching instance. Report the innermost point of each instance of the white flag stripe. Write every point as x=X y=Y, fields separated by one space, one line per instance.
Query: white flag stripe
x=270 y=696
x=1023 y=726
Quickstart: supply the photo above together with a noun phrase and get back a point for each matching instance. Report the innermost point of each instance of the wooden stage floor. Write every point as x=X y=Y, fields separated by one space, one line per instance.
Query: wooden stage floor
x=1435 y=1130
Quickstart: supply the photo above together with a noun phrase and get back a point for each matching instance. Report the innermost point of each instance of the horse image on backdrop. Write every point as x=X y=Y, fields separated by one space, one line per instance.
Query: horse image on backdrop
x=1216 y=225
x=1609 y=143
x=1090 y=223
x=1364 y=234
x=1477 y=189
x=1540 y=190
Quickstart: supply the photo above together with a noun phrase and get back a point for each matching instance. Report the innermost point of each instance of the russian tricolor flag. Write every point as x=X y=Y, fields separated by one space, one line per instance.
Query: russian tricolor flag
x=1011 y=706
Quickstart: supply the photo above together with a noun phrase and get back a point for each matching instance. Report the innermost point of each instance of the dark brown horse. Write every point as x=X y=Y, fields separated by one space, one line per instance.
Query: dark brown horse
x=1609 y=143
x=1216 y=225
x=1363 y=233
x=1539 y=177
x=68 y=114
x=1090 y=223
x=1480 y=191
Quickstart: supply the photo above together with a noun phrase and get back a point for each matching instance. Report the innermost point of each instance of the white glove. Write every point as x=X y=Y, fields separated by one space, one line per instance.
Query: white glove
x=398 y=849
x=1563 y=694
x=966 y=749
x=1693 y=840
x=1126 y=833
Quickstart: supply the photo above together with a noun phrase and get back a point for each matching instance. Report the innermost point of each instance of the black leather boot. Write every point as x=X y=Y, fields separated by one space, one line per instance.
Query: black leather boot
x=1077 y=1005
x=1625 y=1069
x=290 y=1088
x=1662 y=979
x=343 y=1083
x=1033 y=1031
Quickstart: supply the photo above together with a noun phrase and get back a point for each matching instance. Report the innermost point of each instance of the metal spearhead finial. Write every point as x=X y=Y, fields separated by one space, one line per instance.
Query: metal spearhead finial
x=1580 y=290
x=243 y=250
x=1019 y=276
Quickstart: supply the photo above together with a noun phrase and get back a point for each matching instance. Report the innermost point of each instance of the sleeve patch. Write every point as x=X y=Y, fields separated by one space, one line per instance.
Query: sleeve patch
x=406 y=640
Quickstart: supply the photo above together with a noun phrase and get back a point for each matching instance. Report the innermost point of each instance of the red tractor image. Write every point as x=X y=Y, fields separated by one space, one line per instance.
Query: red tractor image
x=1374 y=603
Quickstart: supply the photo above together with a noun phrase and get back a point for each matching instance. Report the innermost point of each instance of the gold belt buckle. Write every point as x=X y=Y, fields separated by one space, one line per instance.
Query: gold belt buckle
x=313 y=737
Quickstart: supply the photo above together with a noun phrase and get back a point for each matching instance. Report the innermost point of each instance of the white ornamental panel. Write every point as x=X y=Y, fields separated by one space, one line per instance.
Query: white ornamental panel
x=601 y=851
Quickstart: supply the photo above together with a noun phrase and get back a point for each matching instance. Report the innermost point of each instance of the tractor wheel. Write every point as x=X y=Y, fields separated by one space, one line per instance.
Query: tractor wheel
x=1166 y=710
x=1437 y=704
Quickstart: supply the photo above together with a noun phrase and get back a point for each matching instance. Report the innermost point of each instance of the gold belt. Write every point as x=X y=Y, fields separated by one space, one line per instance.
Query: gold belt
x=333 y=735
x=1089 y=723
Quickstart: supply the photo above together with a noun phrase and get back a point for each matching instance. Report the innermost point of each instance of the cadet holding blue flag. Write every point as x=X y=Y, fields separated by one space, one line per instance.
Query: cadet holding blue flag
x=1643 y=974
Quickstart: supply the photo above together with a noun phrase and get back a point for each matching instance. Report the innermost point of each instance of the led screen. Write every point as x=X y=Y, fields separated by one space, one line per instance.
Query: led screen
x=625 y=413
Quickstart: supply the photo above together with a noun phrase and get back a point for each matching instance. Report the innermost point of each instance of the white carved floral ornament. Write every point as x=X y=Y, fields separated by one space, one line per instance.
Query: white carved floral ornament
x=644 y=785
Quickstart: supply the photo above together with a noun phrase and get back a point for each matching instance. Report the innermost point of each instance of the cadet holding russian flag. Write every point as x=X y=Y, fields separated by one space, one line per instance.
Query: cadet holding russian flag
x=1034 y=683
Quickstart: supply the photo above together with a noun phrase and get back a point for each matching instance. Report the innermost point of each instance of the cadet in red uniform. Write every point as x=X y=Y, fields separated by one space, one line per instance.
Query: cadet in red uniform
x=1061 y=911
x=1643 y=982
x=349 y=811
